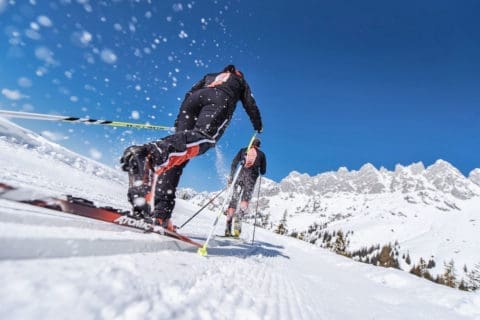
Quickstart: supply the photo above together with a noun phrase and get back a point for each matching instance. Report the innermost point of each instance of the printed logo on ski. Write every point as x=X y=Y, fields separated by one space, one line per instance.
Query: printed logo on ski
x=124 y=220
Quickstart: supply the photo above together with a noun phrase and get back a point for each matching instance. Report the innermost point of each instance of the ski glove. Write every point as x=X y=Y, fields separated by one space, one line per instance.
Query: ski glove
x=129 y=159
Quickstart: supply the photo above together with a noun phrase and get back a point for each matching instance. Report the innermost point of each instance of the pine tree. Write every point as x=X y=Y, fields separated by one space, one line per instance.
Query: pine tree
x=474 y=278
x=282 y=227
x=340 y=245
x=463 y=286
x=416 y=271
x=265 y=220
x=449 y=274
x=440 y=280
x=408 y=260
x=386 y=258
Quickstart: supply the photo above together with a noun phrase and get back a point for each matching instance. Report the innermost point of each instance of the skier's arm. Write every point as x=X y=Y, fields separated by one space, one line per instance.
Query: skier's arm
x=251 y=108
x=263 y=165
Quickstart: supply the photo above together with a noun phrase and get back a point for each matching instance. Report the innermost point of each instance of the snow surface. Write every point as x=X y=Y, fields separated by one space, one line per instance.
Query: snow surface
x=57 y=266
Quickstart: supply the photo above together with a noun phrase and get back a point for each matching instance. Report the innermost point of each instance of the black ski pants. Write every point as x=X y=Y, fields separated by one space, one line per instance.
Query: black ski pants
x=202 y=120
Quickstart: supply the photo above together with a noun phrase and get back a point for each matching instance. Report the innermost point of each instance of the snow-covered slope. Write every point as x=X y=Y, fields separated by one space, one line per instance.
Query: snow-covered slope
x=101 y=271
x=433 y=213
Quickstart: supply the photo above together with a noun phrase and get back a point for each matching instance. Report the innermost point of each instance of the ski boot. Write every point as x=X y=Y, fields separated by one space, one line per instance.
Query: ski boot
x=237 y=226
x=162 y=218
x=237 y=223
x=166 y=224
x=137 y=197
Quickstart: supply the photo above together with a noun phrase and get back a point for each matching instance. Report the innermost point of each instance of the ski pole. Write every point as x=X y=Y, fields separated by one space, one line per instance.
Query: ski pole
x=203 y=250
x=256 y=209
x=41 y=116
x=201 y=209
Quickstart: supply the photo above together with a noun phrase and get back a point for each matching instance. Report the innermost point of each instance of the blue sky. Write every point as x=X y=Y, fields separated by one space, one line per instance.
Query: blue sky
x=339 y=83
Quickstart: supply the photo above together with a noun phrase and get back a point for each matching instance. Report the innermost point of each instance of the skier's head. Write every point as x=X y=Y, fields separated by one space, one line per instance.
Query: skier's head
x=256 y=142
x=232 y=69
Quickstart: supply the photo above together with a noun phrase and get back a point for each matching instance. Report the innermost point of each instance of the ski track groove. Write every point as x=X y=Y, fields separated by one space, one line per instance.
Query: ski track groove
x=234 y=291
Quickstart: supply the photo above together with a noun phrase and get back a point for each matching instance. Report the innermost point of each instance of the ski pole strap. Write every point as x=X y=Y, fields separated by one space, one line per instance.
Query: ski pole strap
x=41 y=116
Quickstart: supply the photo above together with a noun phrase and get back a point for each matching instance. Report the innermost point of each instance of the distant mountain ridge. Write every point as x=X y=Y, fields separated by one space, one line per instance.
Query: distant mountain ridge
x=440 y=176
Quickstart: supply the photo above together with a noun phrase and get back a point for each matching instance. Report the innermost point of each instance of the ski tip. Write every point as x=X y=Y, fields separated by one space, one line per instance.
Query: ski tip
x=202 y=251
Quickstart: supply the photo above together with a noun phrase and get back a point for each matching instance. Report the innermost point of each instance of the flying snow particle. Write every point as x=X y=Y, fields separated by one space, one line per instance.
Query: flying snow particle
x=12 y=94
x=34 y=26
x=44 y=54
x=131 y=27
x=117 y=27
x=81 y=38
x=182 y=35
x=44 y=21
x=138 y=87
x=108 y=56
x=177 y=7
x=95 y=154
x=148 y=14
x=135 y=115
x=85 y=37
x=41 y=71
x=24 y=82
x=68 y=74
x=32 y=34
x=74 y=98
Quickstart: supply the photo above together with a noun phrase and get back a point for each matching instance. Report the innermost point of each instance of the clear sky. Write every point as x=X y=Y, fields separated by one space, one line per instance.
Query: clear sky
x=338 y=83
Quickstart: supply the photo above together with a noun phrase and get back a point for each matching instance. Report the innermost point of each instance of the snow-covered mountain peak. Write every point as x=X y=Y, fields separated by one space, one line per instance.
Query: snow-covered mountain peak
x=417 y=168
x=446 y=178
x=295 y=175
x=342 y=170
x=368 y=167
x=474 y=176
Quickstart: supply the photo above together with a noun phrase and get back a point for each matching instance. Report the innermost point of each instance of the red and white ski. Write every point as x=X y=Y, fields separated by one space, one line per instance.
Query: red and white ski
x=86 y=208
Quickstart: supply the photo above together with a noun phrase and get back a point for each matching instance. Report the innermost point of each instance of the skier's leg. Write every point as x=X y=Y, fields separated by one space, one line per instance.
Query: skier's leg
x=184 y=145
x=237 y=189
x=165 y=195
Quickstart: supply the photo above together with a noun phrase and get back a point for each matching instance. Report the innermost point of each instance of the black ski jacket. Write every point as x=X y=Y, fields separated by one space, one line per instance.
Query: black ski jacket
x=258 y=167
x=237 y=88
